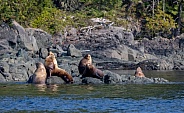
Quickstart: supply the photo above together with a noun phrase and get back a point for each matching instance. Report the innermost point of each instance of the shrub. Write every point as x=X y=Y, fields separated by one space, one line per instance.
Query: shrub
x=161 y=23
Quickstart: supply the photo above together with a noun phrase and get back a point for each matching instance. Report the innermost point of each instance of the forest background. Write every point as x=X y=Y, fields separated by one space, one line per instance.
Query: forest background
x=145 y=18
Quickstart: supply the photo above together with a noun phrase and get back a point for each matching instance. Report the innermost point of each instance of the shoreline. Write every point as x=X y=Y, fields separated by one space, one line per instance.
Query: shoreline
x=110 y=49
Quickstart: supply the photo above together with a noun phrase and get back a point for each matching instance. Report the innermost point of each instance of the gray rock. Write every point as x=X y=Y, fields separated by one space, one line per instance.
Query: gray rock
x=125 y=78
x=5 y=66
x=43 y=53
x=77 y=80
x=72 y=51
x=164 y=47
x=160 y=80
x=21 y=73
x=8 y=35
x=139 y=80
x=66 y=67
x=126 y=53
x=29 y=43
x=90 y=80
x=30 y=67
x=110 y=49
x=73 y=32
x=43 y=39
x=111 y=78
x=155 y=64
x=55 y=80
x=129 y=37
x=2 y=79
x=57 y=39
x=178 y=65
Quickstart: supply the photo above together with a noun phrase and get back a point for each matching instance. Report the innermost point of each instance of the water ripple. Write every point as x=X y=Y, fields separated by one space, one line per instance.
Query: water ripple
x=157 y=98
x=46 y=104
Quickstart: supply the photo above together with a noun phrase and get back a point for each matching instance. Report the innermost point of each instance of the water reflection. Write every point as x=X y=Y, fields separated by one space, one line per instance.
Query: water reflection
x=41 y=87
x=92 y=98
x=53 y=87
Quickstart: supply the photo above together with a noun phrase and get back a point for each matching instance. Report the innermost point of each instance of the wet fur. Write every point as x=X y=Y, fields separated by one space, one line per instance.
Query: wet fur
x=139 y=72
x=83 y=62
x=54 y=70
x=92 y=71
x=63 y=74
x=40 y=75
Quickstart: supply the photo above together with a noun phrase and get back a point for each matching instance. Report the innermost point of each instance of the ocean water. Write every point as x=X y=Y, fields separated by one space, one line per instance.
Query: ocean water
x=104 y=98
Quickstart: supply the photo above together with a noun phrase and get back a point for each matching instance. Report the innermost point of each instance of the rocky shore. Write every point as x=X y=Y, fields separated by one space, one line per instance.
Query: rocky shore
x=110 y=48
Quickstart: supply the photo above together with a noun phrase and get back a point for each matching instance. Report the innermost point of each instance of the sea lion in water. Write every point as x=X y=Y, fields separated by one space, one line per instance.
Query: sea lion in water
x=139 y=72
x=83 y=62
x=40 y=75
x=53 y=69
x=92 y=71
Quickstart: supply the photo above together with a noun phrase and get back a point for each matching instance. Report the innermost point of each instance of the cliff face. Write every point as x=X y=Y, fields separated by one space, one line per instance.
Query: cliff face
x=111 y=48
x=19 y=50
x=116 y=43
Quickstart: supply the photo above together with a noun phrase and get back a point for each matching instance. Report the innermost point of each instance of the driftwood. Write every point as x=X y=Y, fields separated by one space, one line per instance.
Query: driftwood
x=98 y=23
x=103 y=22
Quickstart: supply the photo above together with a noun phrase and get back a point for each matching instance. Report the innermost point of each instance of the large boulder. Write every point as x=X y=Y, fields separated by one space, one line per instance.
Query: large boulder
x=24 y=41
x=43 y=53
x=90 y=80
x=156 y=64
x=43 y=39
x=55 y=80
x=111 y=78
x=9 y=34
x=18 y=72
x=72 y=51
x=8 y=40
x=171 y=48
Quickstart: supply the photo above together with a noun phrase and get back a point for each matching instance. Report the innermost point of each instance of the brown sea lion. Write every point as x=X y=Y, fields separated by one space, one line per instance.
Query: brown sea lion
x=63 y=74
x=40 y=75
x=92 y=71
x=53 y=69
x=50 y=63
x=139 y=72
x=83 y=62
x=54 y=59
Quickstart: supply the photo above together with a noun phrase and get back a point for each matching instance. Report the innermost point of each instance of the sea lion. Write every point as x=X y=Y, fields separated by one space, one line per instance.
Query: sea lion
x=92 y=71
x=83 y=62
x=53 y=69
x=139 y=72
x=50 y=63
x=63 y=74
x=54 y=59
x=40 y=75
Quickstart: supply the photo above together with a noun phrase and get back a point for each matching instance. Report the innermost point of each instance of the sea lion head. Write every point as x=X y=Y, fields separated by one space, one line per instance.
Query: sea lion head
x=40 y=66
x=51 y=54
x=139 y=72
x=87 y=56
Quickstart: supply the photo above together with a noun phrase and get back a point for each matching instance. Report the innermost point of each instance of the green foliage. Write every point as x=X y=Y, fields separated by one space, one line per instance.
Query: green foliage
x=52 y=20
x=160 y=23
x=22 y=10
x=44 y=14
x=103 y=4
